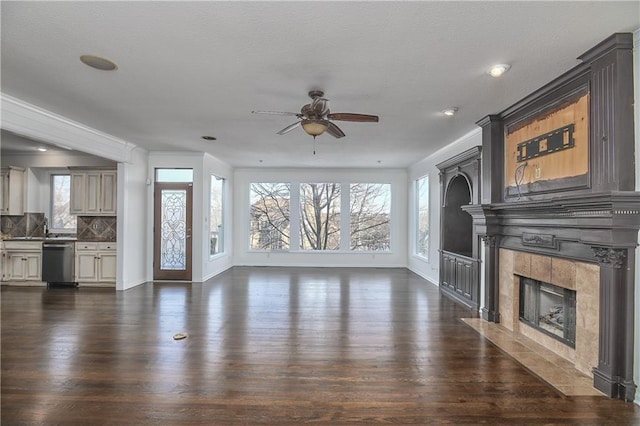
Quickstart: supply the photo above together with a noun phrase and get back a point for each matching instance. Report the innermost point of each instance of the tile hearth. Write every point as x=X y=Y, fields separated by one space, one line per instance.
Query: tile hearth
x=548 y=366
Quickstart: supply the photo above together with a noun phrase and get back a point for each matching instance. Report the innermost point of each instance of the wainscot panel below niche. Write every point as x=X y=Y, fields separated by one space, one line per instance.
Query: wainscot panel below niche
x=96 y=228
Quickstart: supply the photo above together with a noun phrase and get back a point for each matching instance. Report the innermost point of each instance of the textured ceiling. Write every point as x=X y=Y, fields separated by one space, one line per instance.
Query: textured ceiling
x=188 y=69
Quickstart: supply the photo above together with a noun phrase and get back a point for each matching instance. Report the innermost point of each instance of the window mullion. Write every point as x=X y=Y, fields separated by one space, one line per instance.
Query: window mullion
x=345 y=214
x=294 y=217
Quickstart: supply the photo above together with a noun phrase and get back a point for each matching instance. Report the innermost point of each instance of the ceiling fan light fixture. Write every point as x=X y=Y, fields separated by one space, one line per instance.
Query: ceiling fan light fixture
x=314 y=127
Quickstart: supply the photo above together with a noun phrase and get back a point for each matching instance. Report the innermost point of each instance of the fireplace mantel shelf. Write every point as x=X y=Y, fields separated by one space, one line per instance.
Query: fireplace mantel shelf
x=602 y=219
x=611 y=203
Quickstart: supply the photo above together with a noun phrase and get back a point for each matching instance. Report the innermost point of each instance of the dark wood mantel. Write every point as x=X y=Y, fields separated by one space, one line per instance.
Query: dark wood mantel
x=591 y=217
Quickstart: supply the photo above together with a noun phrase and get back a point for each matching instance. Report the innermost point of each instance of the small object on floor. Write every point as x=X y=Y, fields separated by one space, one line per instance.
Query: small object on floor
x=180 y=336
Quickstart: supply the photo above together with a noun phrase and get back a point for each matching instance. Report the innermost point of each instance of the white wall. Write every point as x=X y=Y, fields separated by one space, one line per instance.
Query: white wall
x=132 y=219
x=430 y=269
x=636 y=82
x=213 y=265
x=395 y=258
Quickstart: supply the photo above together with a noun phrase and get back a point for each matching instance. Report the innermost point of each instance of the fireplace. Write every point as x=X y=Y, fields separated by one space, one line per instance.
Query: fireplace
x=549 y=309
x=558 y=277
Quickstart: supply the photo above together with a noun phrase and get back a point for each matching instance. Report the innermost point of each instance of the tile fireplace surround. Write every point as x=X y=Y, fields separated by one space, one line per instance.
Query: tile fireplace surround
x=584 y=278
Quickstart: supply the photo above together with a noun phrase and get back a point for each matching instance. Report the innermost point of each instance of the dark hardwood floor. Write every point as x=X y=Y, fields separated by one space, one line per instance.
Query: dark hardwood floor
x=270 y=346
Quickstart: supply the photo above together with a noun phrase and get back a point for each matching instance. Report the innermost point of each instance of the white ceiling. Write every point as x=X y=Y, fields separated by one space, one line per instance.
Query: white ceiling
x=188 y=69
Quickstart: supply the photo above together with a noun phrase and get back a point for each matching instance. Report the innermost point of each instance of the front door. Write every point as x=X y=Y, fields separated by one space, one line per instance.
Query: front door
x=172 y=231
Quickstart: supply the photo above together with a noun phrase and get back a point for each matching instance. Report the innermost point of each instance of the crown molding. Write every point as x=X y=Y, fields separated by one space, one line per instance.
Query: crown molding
x=40 y=124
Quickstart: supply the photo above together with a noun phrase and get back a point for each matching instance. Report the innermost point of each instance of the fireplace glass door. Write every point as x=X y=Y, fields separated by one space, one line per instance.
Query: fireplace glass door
x=549 y=308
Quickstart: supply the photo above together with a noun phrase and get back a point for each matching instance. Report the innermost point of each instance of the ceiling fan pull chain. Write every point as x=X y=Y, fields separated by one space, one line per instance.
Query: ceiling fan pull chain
x=314 y=145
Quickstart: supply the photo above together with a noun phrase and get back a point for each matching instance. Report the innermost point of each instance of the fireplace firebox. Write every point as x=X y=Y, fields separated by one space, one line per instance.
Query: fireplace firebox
x=549 y=309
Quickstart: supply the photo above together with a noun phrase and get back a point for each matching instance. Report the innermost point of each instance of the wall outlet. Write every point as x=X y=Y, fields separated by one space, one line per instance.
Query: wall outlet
x=538 y=172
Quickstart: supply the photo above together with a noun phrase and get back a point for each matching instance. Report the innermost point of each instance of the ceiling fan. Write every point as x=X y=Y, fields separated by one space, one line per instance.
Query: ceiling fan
x=315 y=117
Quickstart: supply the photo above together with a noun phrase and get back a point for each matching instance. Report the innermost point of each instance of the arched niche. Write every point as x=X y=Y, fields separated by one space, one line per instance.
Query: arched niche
x=457 y=223
x=459 y=245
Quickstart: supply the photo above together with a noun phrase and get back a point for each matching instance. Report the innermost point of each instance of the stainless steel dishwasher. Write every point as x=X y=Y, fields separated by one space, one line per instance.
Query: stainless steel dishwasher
x=57 y=263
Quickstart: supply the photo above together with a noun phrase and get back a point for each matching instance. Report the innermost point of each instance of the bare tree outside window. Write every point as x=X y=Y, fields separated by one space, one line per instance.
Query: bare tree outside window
x=320 y=216
x=270 y=216
x=61 y=218
x=370 y=217
x=422 y=202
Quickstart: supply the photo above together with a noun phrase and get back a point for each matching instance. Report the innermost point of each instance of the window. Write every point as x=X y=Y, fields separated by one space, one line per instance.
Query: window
x=422 y=216
x=216 y=230
x=370 y=216
x=174 y=175
x=270 y=216
x=318 y=223
x=320 y=216
x=61 y=219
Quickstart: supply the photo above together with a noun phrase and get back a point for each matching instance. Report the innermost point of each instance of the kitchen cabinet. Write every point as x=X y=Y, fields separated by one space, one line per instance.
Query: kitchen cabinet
x=93 y=192
x=95 y=264
x=12 y=186
x=22 y=261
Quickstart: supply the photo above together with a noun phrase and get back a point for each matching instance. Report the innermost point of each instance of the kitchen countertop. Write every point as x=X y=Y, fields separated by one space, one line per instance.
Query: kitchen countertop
x=46 y=239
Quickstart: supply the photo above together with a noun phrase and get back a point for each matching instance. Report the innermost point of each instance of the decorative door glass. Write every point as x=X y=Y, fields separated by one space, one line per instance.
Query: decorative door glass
x=173 y=249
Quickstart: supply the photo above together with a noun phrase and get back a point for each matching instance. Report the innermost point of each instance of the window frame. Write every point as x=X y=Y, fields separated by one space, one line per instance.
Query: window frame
x=418 y=199
x=221 y=227
x=50 y=220
x=251 y=218
x=295 y=217
x=388 y=205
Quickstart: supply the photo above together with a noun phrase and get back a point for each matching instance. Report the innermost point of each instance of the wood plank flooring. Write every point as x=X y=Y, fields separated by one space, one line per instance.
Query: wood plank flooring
x=268 y=346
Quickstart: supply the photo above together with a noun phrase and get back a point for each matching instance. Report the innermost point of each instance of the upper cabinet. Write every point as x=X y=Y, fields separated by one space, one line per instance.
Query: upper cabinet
x=12 y=185
x=93 y=192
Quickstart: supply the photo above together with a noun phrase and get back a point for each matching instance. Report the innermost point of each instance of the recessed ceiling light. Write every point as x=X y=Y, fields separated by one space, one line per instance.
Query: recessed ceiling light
x=498 y=70
x=98 y=63
x=209 y=138
x=450 y=111
x=41 y=149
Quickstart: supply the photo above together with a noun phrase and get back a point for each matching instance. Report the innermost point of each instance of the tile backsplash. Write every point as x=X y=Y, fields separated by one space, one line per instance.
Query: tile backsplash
x=96 y=228
x=26 y=225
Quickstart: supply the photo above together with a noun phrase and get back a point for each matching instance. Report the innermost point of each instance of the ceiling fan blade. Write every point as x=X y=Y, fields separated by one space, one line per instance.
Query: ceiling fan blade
x=290 y=128
x=335 y=131
x=276 y=113
x=347 y=116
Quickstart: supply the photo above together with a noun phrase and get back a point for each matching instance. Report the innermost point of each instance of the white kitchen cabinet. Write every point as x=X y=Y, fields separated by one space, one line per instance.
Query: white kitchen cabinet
x=22 y=261
x=108 y=192
x=77 y=195
x=12 y=186
x=93 y=192
x=95 y=264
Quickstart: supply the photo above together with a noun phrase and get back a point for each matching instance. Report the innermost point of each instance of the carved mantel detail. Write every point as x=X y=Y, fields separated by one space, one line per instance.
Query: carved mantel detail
x=489 y=240
x=609 y=256
x=539 y=240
